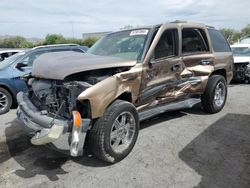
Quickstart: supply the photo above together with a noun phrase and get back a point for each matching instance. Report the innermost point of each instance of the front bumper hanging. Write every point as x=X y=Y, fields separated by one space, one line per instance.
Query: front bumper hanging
x=58 y=133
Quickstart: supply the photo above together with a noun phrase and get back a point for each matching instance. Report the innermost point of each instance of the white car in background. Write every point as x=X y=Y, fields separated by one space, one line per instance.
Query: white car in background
x=7 y=53
x=241 y=53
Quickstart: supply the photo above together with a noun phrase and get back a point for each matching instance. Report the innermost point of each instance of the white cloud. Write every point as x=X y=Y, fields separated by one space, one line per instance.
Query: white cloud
x=37 y=18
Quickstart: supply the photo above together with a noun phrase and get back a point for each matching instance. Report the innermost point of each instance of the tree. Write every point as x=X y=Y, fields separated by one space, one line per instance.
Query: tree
x=54 y=39
x=59 y=39
x=245 y=31
x=15 y=42
x=231 y=35
x=89 y=41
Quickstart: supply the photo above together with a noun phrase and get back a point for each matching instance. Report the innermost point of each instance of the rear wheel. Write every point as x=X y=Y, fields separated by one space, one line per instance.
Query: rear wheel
x=113 y=136
x=214 y=97
x=5 y=101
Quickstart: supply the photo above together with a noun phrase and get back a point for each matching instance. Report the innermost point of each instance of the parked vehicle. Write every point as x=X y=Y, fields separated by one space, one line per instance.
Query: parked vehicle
x=241 y=54
x=7 y=53
x=245 y=40
x=20 y=64
x=126 y=77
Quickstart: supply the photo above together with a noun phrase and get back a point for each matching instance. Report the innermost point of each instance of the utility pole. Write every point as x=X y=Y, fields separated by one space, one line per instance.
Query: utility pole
x=72 y=27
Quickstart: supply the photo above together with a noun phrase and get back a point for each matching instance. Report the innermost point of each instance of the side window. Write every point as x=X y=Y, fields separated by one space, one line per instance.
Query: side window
x=194 y=41
x=167 y=45
x=219 y=42
x=29 y=60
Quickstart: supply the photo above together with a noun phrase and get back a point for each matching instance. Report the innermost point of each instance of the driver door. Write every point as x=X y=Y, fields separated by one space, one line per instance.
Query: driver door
x=161 y=74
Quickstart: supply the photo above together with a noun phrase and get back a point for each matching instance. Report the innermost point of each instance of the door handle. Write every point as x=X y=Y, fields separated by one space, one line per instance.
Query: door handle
x=176 y=67
x=205 y=62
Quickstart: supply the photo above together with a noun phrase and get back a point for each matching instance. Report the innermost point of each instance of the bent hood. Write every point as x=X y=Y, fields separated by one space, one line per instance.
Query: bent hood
x=238 y=59
x=58 y=65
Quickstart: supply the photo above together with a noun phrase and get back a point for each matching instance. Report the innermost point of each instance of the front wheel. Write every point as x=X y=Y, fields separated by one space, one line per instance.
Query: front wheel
x=214 y=97
x=113 y=136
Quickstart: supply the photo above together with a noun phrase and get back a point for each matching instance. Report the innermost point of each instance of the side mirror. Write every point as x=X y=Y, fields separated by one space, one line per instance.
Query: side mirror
x=151 y=62
x=20 y=65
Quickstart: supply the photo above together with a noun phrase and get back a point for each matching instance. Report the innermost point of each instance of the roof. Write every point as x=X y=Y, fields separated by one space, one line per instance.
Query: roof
x=248 y=36
x=240 y=45
x=175 y=23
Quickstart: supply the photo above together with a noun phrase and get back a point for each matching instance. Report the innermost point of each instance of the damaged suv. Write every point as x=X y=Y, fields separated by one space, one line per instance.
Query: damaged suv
x=100 y=97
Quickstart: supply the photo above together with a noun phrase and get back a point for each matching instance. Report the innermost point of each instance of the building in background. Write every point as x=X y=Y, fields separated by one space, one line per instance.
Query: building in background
x=94 y=35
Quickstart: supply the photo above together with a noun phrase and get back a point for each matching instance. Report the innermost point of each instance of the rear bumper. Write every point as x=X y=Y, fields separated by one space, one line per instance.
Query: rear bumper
x=56 y=132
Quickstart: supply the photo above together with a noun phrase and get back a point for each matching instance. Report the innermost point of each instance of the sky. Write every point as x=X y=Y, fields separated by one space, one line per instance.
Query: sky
x=33 y=18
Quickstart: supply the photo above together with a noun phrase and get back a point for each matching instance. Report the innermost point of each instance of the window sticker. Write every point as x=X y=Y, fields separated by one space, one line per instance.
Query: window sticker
x=139 y=32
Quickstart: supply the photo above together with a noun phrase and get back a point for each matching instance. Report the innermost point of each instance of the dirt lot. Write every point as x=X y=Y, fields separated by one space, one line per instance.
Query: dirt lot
x=179 y=149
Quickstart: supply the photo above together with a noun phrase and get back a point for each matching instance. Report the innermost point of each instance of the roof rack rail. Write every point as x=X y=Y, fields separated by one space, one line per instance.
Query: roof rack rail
x=209 y=26
x=54 y=45
x=179 y=21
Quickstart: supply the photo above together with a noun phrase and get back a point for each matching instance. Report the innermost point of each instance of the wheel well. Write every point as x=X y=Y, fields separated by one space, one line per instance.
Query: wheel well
x=126 y=97
x=221 y=72
x=12 y=95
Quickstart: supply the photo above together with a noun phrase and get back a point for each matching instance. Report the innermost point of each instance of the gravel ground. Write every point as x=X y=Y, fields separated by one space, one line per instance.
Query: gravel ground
x=179 y=149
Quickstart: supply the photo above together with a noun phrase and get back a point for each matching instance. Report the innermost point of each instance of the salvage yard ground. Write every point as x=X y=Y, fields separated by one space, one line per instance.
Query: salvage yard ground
x=179 y=149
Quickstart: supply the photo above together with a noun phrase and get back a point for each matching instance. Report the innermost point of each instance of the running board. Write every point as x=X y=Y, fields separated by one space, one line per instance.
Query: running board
x=149 y=113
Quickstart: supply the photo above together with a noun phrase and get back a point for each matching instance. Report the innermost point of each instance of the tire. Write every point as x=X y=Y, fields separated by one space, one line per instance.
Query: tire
x=208 y=101
x=102 y=144
x=248 y=80
x=5 y=101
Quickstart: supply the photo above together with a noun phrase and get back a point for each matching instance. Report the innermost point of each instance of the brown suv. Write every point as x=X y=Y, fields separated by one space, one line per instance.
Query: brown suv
x=126 y=77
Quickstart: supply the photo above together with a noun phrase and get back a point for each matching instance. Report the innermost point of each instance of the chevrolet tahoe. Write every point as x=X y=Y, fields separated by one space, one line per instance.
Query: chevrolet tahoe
x=101 y=97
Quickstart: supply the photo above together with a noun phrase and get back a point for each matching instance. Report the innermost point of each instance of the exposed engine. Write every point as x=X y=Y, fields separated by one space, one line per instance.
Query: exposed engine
x=57 y=98
x=241 y=71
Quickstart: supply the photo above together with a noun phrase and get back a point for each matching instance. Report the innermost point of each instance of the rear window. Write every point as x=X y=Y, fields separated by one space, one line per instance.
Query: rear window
x=219 y=42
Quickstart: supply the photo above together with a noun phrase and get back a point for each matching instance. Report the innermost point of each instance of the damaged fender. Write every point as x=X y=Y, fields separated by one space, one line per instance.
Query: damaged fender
x=102 y=94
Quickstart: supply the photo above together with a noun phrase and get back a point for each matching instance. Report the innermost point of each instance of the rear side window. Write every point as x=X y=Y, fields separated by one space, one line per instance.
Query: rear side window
x=167 y=45
x=194 y=41
x=219 y=42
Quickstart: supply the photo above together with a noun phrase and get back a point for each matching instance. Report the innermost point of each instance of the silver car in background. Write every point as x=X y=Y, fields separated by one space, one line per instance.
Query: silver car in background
x=5 y=53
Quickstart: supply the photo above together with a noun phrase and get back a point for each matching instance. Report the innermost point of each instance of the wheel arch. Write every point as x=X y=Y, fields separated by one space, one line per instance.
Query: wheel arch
x=221 y=72
x=125 y=96
x=4 y=86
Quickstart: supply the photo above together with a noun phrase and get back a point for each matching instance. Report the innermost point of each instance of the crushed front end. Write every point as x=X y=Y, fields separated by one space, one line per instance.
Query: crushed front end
x=241 y=71
x=52 y=115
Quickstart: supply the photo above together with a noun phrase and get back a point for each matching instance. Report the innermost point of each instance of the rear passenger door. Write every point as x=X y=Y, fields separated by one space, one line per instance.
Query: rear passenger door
x=195 y=47
x=197 y=55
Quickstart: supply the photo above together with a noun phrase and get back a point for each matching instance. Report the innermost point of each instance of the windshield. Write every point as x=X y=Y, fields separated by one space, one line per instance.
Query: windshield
x=5 y=63
x=125 y=44
x=241 y=51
